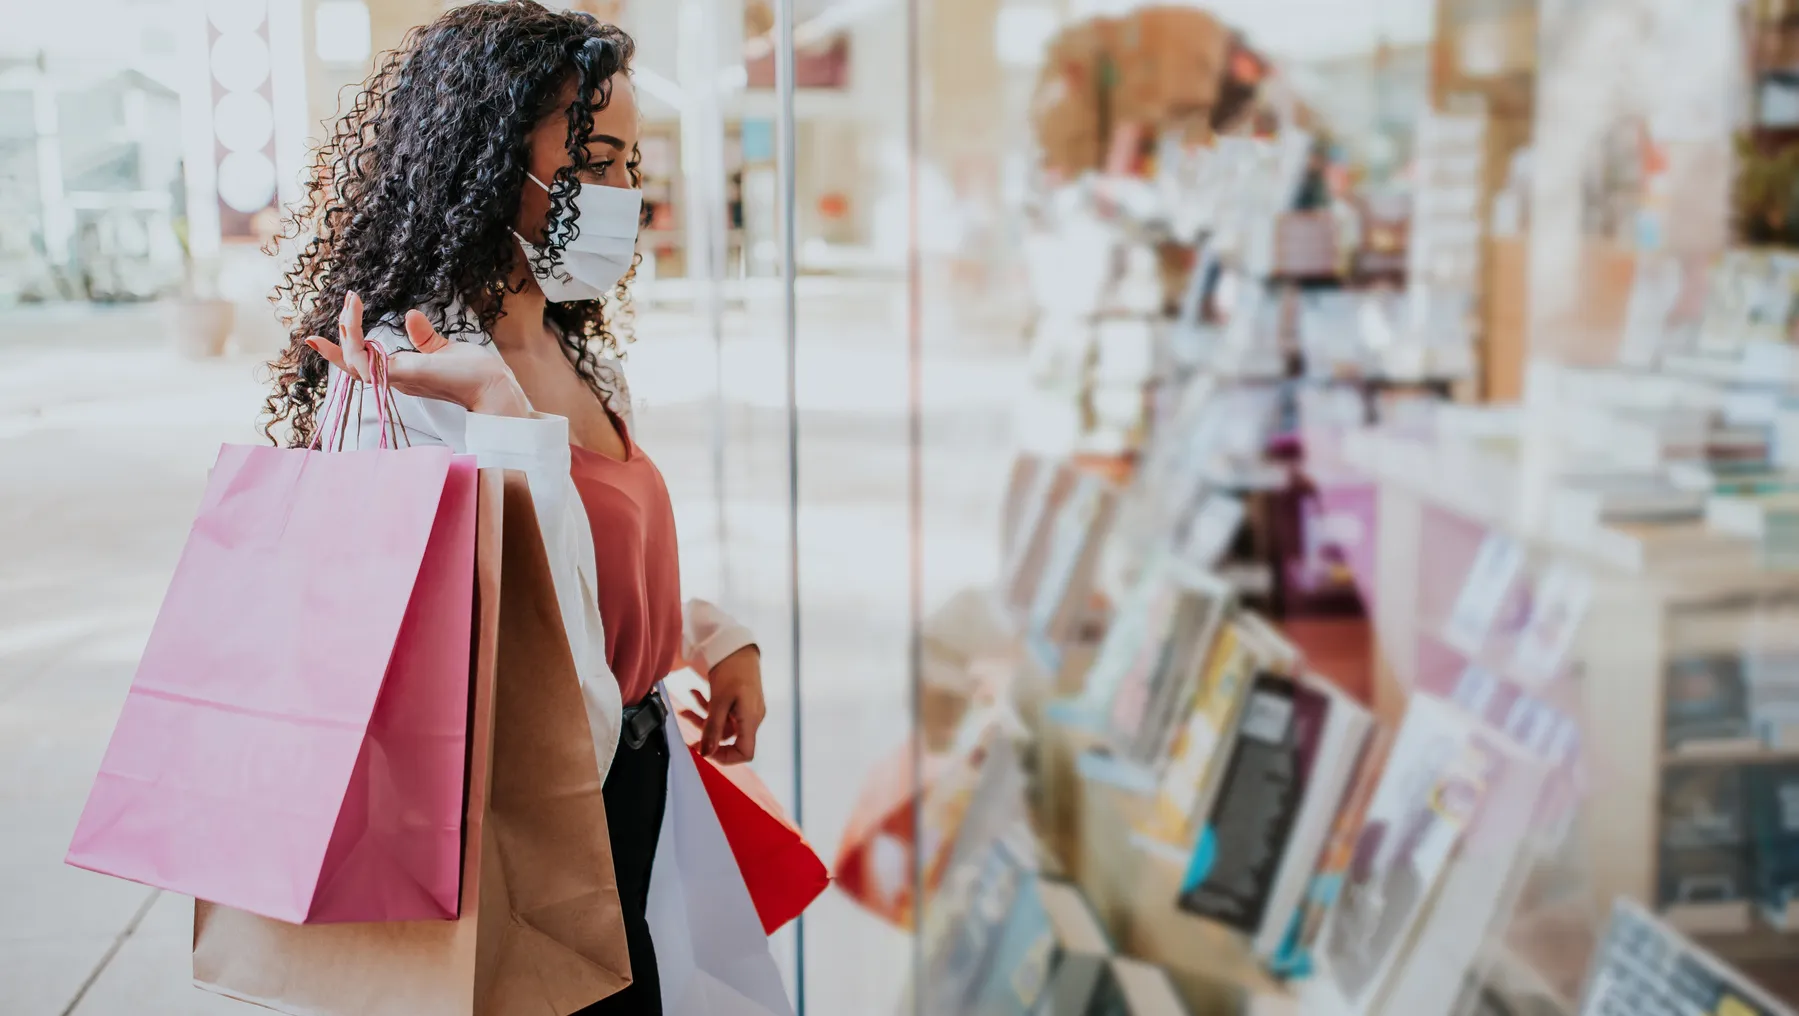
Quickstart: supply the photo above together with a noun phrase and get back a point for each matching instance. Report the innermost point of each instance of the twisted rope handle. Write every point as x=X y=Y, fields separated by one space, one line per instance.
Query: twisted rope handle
x=337 y=407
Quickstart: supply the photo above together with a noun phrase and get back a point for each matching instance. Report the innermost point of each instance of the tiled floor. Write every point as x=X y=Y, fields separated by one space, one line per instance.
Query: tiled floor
x=104 y=447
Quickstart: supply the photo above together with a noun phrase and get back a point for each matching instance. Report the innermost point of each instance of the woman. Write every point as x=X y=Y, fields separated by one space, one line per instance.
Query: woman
x=476 y=210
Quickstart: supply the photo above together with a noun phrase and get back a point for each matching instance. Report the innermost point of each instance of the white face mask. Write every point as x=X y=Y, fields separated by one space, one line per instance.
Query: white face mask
x=594 y=261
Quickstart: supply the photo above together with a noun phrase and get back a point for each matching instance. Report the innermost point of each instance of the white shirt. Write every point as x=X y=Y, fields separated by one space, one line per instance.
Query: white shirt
x=539 y=447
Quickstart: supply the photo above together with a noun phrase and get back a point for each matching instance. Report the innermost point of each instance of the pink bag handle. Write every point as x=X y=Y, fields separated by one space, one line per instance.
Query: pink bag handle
x=337 y=406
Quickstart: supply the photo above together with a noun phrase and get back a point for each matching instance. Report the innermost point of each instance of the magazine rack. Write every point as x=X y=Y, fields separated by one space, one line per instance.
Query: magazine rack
x=1666 y=600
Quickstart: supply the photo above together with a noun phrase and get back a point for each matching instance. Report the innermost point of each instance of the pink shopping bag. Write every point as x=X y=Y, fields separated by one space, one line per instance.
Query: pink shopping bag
x=293 y=741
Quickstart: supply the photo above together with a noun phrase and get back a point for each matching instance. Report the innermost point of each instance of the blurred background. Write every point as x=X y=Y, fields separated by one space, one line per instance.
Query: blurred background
x=1023 y=370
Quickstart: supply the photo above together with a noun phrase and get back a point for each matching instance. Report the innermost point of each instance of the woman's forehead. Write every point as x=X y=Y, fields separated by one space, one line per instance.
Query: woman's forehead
x=621 y=118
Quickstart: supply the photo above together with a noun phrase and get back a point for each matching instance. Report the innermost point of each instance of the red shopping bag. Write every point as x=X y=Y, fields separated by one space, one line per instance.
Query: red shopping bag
x=293 y=741
x=877 y=859
x=783 y=872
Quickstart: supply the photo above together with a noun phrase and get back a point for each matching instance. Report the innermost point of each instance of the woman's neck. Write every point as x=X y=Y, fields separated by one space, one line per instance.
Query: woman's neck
x=520 y=328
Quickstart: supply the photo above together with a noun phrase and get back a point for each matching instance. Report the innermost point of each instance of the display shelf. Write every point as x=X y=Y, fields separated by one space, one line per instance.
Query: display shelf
x=1738 y=752
x=1649 y=581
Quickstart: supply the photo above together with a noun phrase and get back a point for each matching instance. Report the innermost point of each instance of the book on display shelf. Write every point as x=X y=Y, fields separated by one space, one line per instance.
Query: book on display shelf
x=1180 y=621
x=963 y=933
x=1025 y=560
x=1235 y=860
x=1050 y=955
x=1705 y=702
x=1771 y=674
x=1440 y=846
x=1558 y=604
x=1347 y=727
x=1294 y=957
x=1021 y=487
x=1295 y=745
x=1489 y=586
x=1064 y=589
x=1774 y=825
x=1127 y=649
x=1203 y=604
x=1208 y=530
x=1202 y=740
x=1646 y=968
x=973 y=803
x=1704 y=851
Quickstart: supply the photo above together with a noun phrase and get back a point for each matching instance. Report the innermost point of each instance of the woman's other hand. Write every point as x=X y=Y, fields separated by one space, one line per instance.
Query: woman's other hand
x=734 y=710
x=457 y=372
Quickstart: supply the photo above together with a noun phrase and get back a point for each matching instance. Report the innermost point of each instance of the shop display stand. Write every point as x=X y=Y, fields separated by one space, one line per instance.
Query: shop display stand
x=1659 y=593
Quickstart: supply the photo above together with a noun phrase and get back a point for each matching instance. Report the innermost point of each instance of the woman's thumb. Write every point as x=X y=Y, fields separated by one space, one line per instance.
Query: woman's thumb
x=424 y=337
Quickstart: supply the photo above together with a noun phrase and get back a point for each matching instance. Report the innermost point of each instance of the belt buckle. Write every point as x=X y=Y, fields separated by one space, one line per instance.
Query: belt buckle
x=643 y=720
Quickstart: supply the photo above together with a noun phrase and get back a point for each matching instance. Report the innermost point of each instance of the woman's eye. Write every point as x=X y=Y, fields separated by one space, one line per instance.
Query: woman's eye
x=602 y=169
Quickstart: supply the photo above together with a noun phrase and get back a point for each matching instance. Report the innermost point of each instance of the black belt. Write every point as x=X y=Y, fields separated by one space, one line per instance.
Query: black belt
x=643 y=720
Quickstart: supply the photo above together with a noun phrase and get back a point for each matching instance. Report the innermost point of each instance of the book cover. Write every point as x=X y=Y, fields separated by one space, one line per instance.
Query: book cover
x=1344 y=734
x=1051 y=947
x=959 y=956
x=1022 y=486
x=1430 y=789
x=1474 y=895
x=1294 y=958
x=1199 y=745
x=1068 y=573
x=1137 y=683
x=1557 y=608
x=1027 y=557
x=1231 y=874
x=1489 y=583
x=1706 y=699
x=1643 y=966
x=1773 y=808
x=1125 y=644
x=1703 y=850
x=1202 y=605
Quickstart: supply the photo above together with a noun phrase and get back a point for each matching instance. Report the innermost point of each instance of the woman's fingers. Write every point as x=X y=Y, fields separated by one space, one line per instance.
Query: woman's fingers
x=743 y=745
x=355 y=361
x=713 y=735
x=332 y=353
x=424 y=337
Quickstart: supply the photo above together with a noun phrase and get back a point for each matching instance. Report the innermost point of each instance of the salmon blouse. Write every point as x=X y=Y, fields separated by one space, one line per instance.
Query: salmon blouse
x=638 y=564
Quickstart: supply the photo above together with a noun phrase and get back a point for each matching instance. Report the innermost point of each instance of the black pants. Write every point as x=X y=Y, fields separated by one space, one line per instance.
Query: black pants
x=636 y=790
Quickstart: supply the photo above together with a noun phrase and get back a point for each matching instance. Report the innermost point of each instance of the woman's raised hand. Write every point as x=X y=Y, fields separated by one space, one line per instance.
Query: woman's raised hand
x=458 y=372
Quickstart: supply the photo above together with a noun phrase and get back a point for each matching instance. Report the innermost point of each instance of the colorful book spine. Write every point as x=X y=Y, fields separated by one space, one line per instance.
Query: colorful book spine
x=1232 y=871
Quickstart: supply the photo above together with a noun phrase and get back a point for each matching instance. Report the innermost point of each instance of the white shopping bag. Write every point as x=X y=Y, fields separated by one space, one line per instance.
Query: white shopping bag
x=711 y=953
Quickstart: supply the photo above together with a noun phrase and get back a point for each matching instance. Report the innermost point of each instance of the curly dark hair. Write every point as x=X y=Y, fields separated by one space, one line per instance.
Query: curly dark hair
x=410 y=203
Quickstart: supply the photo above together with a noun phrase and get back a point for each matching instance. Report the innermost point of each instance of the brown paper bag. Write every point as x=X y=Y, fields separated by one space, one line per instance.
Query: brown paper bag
x=540 y=931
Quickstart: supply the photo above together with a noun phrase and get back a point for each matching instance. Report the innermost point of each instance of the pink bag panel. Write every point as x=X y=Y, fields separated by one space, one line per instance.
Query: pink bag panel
x=233 y=756
x=396 y=852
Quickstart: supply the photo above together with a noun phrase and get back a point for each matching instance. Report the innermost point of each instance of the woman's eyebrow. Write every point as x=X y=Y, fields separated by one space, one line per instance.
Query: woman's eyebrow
x=606 y=139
